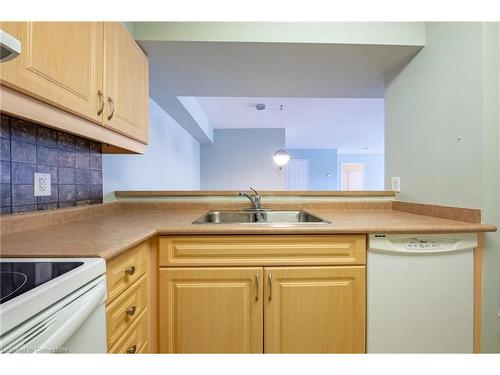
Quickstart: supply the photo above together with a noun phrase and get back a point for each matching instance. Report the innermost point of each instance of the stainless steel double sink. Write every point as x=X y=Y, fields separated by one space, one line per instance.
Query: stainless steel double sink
x=259 y=217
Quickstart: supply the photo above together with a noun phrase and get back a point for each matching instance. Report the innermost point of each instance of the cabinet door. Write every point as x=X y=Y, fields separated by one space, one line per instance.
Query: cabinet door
x=60 y=63
x=315 y=309
x=125 y=83
x=211 y=310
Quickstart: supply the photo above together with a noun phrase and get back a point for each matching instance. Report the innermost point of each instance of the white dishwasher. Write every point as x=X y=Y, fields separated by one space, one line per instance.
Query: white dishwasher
x=420 y=293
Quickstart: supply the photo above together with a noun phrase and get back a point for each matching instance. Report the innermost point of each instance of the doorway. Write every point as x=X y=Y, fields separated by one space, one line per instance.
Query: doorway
x=297 y=175
x=352 y=176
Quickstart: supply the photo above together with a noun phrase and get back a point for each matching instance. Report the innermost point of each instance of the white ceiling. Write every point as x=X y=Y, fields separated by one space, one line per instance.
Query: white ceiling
x=350 y=125
x=280 y=70
x=274 y=69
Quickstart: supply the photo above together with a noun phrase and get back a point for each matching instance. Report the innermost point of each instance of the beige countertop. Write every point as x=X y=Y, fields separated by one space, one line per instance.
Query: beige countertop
x=108 y=234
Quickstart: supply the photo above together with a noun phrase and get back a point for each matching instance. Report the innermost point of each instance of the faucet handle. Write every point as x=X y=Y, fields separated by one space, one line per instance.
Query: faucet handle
x=255 y=191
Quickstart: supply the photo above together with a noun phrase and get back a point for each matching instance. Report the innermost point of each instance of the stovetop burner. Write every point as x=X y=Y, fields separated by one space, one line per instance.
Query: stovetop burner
x=17 y=278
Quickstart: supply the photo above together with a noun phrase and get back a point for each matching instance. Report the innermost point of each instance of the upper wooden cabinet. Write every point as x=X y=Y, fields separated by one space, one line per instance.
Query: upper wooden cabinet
x=94 y=70
x=125 y=83
x=61 y=63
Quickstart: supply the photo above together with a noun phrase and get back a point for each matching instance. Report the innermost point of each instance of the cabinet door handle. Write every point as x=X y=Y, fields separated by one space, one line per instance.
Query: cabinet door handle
x=257 y=287
x=132 y=349
x=130 y=311
x=130 y=271
x=101 y=101
x=112 y=106
x=270 y=282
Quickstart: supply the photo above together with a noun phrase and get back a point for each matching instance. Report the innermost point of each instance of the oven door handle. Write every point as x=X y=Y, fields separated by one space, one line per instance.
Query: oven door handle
x=88 y=303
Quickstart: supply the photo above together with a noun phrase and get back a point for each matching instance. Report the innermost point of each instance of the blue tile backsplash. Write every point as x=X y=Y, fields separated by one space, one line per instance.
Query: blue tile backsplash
x=75 y=165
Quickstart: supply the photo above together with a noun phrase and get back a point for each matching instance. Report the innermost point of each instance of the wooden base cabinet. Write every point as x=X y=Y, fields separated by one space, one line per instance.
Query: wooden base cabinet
x=262 y=294
x=131 y=307
x=315 y=310
x=211 y=310
x=221 y=310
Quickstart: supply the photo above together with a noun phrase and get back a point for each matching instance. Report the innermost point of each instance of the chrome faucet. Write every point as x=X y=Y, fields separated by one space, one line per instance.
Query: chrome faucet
x=255 y=199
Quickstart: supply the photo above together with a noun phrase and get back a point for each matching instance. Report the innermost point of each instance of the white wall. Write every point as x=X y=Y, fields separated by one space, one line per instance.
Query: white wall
x=436 y=99
x=171 y=160
x=491 y=178
x=240 y=158
x=444 y=94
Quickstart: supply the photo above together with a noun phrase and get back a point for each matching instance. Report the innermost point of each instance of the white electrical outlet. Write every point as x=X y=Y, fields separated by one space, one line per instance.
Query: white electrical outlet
x=396 y=184
x=42 y=184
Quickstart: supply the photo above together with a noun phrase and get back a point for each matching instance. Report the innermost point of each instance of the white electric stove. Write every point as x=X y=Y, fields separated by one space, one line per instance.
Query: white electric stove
x=52 y=305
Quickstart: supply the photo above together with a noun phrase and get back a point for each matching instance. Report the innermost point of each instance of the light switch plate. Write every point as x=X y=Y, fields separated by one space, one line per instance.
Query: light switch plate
x=42 y=184
x=396 y=184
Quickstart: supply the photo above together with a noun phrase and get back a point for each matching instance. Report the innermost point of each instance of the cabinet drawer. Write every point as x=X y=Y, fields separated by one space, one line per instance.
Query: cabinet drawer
x=125 y=310
x=125 y=269
x=135 y=338
x=262 y=250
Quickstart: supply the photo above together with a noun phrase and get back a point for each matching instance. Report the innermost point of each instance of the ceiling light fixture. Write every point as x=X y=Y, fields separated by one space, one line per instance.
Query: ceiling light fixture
x=281 y=157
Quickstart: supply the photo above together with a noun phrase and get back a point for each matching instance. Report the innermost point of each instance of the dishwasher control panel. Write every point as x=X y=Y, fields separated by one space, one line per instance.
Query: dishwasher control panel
x=422 y=244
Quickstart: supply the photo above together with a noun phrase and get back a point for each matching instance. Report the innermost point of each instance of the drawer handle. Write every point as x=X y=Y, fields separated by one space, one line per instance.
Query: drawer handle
x=130 y=311
x=130 y=271
x=132 y=349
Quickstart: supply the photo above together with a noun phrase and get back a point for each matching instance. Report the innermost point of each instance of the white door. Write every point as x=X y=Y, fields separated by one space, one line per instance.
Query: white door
x=352 y=176
x=297 y=175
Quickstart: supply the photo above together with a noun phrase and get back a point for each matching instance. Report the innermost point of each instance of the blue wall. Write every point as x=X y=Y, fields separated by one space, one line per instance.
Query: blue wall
x=324 y=161
x=240 y=158
x=321 y=163
x=373 y=171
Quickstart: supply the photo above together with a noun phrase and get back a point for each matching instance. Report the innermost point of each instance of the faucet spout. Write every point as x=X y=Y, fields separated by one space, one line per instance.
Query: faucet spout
x=255 y=199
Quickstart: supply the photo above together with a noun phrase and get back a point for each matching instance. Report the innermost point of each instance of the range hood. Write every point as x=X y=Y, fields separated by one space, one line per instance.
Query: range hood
x=10 y=47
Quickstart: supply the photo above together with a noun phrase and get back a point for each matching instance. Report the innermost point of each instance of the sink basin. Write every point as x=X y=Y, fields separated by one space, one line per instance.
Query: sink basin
x=259 y=217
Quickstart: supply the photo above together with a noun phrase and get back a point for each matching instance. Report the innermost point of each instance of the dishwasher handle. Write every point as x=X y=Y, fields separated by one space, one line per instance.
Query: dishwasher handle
x=418 y=252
